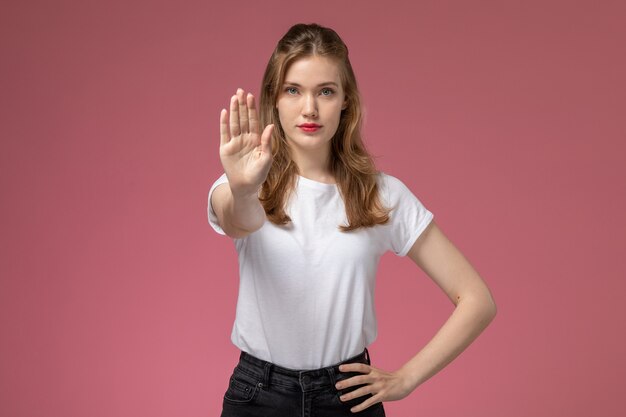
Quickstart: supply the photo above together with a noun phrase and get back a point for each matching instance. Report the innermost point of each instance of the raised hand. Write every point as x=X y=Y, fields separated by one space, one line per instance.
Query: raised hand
x=245 y=154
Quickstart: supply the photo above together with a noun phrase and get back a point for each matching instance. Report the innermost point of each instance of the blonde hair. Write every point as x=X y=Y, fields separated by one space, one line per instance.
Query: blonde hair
x=350 y=163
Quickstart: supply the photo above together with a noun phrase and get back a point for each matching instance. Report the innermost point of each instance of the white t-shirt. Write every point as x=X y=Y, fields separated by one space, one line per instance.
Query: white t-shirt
x=306 y=292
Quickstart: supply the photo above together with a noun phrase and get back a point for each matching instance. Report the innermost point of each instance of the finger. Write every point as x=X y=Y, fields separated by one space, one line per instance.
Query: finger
x=266 y=139
x=254 y=121
x=356 y=393
x=234 y=117
x=351 y=382
x=224 y=136
x=365 y=404
x=243 y=112
x=355 y=367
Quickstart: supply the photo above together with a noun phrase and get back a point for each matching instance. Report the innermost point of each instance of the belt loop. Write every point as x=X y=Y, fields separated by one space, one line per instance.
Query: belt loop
x=331 y=375
x=266 y=374
x=367 y=357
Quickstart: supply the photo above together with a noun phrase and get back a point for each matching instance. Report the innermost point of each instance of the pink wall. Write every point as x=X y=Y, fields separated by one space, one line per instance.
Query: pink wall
x=505 y=118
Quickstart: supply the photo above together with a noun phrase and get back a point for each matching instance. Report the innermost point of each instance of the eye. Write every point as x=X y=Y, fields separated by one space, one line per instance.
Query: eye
x=291 y=90
x=327 y=92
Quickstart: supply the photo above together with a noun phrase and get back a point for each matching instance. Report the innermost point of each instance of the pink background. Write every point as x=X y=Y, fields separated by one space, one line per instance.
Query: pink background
x=507 y=119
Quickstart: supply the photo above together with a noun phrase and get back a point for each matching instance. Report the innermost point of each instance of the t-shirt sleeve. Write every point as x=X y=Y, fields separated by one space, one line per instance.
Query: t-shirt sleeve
x=213 y=221
x=408 y=217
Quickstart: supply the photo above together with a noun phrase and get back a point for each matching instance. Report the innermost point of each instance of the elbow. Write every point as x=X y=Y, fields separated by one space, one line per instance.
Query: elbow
x=489 y=307
x=240 y=231
x=483 y=304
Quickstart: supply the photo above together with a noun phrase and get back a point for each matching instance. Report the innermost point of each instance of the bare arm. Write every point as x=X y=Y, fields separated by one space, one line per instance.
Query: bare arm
x=246 y=157
x=238 y=216
x=475 y=308
x=435 y=254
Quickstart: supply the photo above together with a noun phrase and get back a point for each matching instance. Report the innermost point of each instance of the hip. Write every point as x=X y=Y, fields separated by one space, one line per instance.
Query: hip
x=260 y=388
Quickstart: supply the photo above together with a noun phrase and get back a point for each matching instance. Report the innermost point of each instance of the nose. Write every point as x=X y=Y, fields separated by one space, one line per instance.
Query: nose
x=309 y=107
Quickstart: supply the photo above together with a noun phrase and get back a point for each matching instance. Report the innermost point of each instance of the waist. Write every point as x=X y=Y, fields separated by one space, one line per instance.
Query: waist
x=305 y=380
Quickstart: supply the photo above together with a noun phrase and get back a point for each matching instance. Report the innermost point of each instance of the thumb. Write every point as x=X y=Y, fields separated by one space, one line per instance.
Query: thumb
x=266 y=139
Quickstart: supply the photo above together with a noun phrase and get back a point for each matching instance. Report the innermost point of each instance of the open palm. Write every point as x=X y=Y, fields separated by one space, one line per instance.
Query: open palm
x=245 y=154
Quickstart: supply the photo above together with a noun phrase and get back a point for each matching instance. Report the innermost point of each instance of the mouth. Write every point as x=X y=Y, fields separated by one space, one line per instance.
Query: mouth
x=309 y=127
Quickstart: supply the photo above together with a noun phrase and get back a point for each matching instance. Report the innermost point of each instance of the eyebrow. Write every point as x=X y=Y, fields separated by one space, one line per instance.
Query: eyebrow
x=319 y=85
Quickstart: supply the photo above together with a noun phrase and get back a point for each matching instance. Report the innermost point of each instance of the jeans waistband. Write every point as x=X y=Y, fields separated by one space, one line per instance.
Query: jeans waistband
x=306 y=380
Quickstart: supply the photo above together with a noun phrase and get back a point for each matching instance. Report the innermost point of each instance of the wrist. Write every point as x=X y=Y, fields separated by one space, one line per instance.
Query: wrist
x=245 y=193
x=409 y=379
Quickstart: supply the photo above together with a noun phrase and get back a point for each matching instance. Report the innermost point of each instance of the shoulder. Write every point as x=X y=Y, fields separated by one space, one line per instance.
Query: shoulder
x=388 y=180
x=391 y=187
x=397 y=195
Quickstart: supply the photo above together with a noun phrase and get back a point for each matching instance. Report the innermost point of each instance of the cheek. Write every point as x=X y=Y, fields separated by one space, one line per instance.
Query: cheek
x=336 y=113
x=281 y=118
x=285 y=113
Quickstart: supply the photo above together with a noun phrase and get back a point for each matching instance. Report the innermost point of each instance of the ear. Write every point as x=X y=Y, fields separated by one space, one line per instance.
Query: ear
x=344 y=105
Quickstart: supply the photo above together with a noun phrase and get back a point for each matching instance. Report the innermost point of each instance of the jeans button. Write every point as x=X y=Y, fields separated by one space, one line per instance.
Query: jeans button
x=306 y=379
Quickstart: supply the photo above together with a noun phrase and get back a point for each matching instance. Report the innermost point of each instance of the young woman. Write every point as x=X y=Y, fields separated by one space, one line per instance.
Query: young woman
x=310 y=217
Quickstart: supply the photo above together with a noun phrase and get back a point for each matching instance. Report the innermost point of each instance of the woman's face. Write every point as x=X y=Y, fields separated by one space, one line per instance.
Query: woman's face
x=310 y=103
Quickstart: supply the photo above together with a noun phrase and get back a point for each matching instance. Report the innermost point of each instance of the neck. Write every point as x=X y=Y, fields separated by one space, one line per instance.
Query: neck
x=314 y=164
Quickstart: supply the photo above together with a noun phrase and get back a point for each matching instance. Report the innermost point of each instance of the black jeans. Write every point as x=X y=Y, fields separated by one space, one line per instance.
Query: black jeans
x=261 y=389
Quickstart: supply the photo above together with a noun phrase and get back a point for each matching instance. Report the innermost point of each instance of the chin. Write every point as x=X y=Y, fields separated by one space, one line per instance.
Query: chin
x=309 y=143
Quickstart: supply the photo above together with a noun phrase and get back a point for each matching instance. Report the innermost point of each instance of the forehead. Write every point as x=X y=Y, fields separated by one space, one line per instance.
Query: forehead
x=312 y=71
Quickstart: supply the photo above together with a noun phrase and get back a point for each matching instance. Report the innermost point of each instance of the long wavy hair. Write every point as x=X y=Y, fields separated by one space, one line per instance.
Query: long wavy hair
x=350 y=163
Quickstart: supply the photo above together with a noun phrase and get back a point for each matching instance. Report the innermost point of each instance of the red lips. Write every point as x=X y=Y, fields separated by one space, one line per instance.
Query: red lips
x=309 y=127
